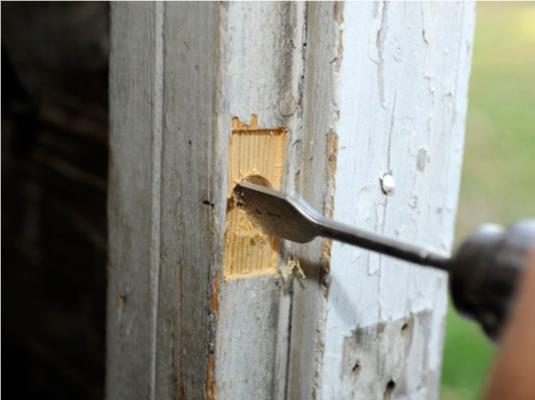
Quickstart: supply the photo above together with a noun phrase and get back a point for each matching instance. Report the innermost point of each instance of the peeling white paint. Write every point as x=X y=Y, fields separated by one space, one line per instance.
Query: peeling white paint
x=367 y=288
x=384 y=82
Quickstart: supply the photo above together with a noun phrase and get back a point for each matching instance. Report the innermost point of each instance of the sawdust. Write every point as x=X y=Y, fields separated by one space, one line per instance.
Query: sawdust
x=256 y=155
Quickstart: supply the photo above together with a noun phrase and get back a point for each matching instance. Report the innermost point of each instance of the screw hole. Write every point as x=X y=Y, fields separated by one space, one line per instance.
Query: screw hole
x=404 y=327
x=356 y=367
x=390 y=386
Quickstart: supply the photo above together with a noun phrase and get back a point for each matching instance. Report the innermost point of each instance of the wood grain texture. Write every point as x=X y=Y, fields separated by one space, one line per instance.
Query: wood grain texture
x=191 y=229
x=180 y=72
x=261 y=56
x=313 y=167
x=361 y=89
x=256 y=155
x=399 y=101
x=164 y=237
x=133 y=262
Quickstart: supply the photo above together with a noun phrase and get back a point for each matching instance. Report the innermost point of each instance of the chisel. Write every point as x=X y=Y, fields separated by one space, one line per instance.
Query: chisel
x=484 y=270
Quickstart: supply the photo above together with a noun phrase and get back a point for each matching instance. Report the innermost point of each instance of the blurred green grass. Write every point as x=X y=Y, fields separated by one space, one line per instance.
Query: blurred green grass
x=498 y=182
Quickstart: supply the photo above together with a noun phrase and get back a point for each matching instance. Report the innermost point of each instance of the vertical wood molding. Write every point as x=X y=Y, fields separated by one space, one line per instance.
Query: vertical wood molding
x=361 y=89
x=165 y=237
x=314 y=167
x=133 y=217
x=192 y=206
x=399 y=89
x=261 y=59
x=157 y=120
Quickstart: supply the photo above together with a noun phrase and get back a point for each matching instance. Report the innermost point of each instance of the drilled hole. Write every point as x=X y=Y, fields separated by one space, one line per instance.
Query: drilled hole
x=356 y=367
x=235 y=200
x=404 y=327
x=390 y=386
x=258 y=180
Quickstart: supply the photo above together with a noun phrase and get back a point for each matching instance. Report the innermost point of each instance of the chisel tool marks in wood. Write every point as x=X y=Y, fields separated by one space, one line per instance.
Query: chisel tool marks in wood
x=258 y=155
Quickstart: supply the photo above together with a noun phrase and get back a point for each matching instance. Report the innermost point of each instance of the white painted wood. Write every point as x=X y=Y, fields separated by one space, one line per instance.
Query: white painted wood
x=400 y=94
x=362 y=89
x=260 y=74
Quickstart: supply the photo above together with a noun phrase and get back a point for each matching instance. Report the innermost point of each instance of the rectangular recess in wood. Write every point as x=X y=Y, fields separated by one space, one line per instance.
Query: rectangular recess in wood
x=258 y=155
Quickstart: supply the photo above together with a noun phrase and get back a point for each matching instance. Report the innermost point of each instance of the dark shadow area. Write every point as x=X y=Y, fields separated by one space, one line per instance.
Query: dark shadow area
x=54 y=177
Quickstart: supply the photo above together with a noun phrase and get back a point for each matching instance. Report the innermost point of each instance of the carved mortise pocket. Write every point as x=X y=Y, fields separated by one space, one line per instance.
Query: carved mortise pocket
x=256 y=154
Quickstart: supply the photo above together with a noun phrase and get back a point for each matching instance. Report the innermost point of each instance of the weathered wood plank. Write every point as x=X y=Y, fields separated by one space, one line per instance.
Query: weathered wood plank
x=261 y=71
x=400 y=93
x=361 y=90
x=133 y=199
x=164 y=146
x=192 y=202
x=314 y=164
x=208 y=75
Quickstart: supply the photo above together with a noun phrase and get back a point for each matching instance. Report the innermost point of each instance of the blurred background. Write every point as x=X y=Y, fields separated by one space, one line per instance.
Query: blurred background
x=54 y=167
x=498 y=182
x=54 y=180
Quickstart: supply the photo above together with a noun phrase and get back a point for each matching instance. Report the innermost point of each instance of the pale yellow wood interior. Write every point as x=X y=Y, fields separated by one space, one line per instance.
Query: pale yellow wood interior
x=257 y=154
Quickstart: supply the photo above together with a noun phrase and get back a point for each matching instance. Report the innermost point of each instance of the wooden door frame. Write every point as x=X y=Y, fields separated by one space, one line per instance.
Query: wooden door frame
x=362 y=90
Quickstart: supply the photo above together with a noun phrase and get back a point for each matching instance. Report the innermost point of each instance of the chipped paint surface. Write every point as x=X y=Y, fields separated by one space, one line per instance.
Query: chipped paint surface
x=362 y=89
x=376 y=96
x=367 y=375
x=314 y=162
x=260 y=55
x=398 y=115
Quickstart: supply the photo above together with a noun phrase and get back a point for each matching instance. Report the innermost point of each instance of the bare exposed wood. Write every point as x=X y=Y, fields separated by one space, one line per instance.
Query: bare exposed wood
x=360 y=90
x=257 y=155
x=261 y=71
